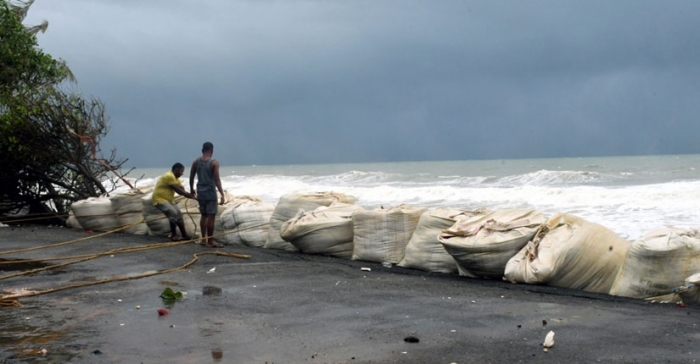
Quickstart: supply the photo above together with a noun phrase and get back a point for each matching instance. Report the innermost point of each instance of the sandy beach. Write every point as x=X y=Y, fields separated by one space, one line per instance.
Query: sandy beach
x=282 y=307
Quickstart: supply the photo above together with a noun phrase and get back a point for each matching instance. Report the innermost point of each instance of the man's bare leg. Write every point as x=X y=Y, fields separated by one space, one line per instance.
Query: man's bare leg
x=210 y=229
x=203 y=228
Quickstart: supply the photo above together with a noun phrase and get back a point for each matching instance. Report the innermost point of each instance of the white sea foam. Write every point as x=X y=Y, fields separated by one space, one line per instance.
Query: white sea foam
x=552 y=178
x=631 y=196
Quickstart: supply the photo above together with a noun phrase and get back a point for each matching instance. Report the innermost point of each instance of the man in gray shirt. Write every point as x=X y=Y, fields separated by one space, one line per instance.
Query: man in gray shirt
x=207 y=171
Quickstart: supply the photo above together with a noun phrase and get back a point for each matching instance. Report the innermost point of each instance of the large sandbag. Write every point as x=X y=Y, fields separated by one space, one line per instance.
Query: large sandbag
x=221 y=235
x=289 y=205
x=191 y=216
x=424 y=251
x=483 y=245
x=658 y=262
x=325 y=230
x=570 y=252
x=95 y=213
x=129 y=210
x=246 y=221
x=381 y=235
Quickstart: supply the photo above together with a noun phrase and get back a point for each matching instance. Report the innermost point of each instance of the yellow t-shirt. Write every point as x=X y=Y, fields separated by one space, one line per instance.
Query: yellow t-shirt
x=163 y=192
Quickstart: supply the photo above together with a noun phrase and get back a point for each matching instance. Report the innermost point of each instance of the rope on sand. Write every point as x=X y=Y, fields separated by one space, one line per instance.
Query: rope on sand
x=86 y=257
x=12 y=301
x=70 y=241
x=43 y=217
x=118 y=229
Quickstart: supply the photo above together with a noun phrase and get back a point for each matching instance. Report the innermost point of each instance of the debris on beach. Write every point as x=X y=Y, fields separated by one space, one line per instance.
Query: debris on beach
x=366 y=269
x=217 y=354
x=411 y=339
x=548 y=341
x=211 y=291
x=163 y=312
x=169 y=294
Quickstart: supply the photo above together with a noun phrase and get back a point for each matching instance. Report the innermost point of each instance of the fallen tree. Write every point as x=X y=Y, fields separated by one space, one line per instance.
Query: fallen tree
x=49 y=136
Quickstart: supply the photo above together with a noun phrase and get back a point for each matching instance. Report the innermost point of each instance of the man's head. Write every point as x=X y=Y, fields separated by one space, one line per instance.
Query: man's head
x=208 y=147
x=178 y=169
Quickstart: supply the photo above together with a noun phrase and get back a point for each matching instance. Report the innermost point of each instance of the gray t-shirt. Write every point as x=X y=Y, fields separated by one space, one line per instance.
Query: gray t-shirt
x=206 y=187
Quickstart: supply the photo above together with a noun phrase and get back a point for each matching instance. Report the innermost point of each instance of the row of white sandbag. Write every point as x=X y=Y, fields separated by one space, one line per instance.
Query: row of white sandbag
x=519 y=245
x=522 y=246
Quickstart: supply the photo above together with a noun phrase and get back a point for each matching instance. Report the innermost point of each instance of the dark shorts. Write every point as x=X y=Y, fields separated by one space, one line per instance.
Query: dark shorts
x=209 y=207
x=171 y=211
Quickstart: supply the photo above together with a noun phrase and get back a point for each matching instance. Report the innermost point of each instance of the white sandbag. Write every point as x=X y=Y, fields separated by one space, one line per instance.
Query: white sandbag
x=424 y=251
x=129 y=210
x=246 y=221
x=658 y=262
x=325 y=230
x=221 y=235
x=289 y=205
x=482 y=246
x=95 y=213
x=72 y=222
x=570 y=252
x=690 y=292
x=191 y=216
x=381 y=235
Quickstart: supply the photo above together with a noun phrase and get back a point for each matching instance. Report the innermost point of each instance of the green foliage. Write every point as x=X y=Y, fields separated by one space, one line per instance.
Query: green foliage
x=49 y=152
x=170 y=295
x=23 y=66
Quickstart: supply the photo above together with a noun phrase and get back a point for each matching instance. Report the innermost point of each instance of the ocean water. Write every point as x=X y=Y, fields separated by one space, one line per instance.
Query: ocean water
x=629 y=195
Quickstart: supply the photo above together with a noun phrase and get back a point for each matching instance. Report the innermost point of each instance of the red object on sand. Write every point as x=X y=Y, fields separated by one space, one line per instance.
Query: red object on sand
x=163 y=312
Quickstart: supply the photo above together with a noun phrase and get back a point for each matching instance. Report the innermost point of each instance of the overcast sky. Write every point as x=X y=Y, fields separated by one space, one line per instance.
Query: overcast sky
x=289 y=82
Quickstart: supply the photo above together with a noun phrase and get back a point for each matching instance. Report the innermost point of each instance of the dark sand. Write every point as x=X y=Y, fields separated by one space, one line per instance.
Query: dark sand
x=280 y=307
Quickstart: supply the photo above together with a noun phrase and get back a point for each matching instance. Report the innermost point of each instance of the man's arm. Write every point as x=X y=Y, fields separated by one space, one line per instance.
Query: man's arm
x=181 y=191
x=215 y=170
x=193 y=171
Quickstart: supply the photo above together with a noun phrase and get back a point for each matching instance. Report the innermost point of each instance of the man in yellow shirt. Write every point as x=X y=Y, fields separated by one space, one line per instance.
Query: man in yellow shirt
x=164 y=200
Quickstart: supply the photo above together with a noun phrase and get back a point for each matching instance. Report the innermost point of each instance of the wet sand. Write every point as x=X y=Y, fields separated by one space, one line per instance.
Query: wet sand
x=281 y=307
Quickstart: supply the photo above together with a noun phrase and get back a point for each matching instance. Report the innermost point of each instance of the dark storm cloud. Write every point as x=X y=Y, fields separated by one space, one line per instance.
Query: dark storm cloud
x=353 y=81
